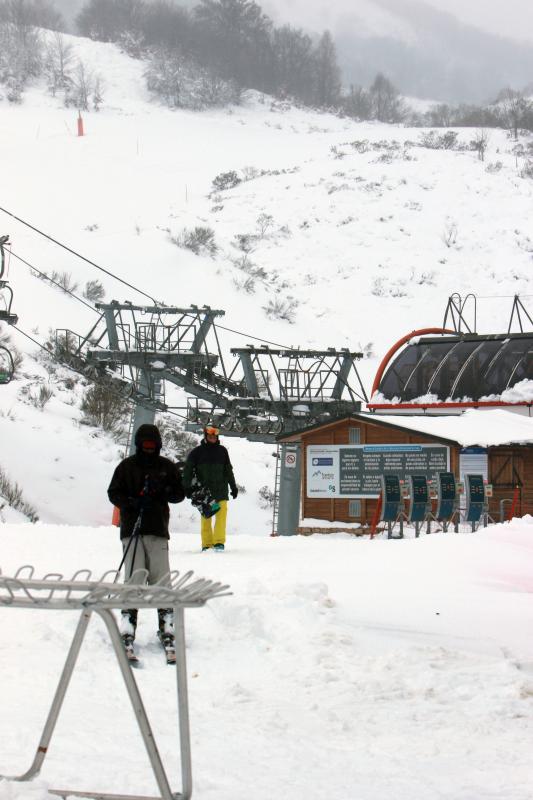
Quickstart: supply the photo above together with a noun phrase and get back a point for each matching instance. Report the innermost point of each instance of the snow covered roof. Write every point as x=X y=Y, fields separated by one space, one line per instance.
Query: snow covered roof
x=475 y=427
x=484 y=428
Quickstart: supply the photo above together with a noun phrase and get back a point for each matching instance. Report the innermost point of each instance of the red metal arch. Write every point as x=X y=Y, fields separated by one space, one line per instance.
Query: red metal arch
x=394 y=349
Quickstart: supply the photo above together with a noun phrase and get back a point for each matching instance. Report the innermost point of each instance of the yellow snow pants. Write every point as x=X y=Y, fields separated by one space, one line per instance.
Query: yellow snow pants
x=218 y=535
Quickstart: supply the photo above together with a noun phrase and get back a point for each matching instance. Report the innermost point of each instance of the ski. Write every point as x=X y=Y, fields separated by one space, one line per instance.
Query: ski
x=167 y=642
x=132 y=657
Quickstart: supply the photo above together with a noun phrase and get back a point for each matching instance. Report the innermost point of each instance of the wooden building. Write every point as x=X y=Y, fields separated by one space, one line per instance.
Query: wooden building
x=495 y=443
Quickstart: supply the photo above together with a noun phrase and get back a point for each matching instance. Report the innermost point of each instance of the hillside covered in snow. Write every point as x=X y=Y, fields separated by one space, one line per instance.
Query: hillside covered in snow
x=340 y=666
x=327 y=233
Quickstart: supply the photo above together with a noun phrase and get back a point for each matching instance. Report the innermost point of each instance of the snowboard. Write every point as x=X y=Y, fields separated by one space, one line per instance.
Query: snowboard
x=202 y=499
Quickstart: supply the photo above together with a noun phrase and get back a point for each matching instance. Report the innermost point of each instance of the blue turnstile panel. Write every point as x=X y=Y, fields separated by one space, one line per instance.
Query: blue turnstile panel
x=447 y=495
x=392 y=502
x=475 y=497
x=419 y=493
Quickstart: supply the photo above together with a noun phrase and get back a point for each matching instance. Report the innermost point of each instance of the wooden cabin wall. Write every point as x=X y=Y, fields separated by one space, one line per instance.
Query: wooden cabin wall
x=337 y=509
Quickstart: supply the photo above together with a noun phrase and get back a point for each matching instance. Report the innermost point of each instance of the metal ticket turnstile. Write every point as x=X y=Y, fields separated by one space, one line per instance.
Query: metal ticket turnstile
x=476 y=499
x=420 y=505
x=448 y=491
x=392 y=507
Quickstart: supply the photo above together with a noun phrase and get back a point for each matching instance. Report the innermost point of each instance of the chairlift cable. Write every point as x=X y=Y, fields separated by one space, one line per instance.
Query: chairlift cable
x=55 y=283
x=78 y=255
x=121 y=280
x=66 y=366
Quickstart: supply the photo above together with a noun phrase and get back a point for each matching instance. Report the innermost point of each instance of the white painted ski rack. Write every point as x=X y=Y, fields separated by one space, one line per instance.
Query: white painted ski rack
x=82 y=592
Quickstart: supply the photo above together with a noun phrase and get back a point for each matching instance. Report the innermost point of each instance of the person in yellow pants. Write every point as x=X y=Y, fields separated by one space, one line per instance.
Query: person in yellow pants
x=214 y=536
x=209 y=463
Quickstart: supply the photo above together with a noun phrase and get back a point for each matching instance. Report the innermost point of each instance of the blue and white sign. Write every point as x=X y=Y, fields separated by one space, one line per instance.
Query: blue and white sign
x=354 y=471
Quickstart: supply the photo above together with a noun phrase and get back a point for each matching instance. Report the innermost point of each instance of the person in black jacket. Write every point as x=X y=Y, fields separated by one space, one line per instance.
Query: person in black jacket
x=210 y=464
x=142 y=486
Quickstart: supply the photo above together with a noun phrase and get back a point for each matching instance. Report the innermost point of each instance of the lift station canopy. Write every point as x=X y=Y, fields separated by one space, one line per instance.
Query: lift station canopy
x=467 y=367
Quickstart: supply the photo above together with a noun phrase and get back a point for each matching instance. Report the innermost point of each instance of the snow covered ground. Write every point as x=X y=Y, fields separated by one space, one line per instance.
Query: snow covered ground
x=356 y=230
x=340 y=667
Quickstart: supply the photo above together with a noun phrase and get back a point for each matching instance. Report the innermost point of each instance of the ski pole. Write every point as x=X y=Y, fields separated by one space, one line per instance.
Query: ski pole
x=135 y=533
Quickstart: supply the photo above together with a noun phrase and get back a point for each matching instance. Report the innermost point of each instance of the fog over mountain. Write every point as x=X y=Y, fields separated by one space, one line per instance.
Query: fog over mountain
x=444 y=50
x=426 y=50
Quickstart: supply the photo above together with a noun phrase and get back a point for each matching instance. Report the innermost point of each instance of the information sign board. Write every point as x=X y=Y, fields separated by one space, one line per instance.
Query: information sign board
x=353 y=471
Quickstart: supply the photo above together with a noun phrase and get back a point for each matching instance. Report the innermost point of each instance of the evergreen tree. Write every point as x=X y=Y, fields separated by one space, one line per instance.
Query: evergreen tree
x=107 y=20
x=326 y=73
x=293 y=63
x=237 y=39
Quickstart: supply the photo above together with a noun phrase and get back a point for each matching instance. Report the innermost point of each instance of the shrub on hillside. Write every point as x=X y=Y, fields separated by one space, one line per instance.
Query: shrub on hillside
x=443 y=141
x=181 y=83
x=266 y=497
x=226 y=180
x=178 y=442
x=21 y=58
x=278 y=308
x=200 y=240
x=527 y=169
x=104 y=408
x=85 y=89
x=38 y=396
x=12 y=493
x=16 y=355
x=94 y=291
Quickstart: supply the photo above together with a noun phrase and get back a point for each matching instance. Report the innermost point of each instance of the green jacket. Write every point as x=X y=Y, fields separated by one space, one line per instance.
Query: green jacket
x=211 y=464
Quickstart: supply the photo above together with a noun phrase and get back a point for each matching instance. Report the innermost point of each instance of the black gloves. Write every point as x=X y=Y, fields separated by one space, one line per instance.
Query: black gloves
x=234 y=492
x=141 y=503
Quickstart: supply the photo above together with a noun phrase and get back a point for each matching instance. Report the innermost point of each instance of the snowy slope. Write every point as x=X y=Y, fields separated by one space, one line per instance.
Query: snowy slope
x=340 y=668
x=367 y=235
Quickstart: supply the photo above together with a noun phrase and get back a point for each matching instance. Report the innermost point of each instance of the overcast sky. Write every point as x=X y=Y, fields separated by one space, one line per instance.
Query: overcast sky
x=506 y=17
x=511 y=18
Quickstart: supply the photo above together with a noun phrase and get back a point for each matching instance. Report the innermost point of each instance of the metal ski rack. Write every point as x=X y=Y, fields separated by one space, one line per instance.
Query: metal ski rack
x=85 y=594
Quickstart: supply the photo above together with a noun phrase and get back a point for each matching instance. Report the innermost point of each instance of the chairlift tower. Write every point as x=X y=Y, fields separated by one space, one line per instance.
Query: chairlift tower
x=285 y=389
x=137 y=349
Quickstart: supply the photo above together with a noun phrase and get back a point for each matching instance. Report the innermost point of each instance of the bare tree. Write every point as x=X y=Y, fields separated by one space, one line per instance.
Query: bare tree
x=358 y=103
x=84 y=89
x=440 y=116
x=514 y=107
x=58 y=64
x=387 y=103
x=480 y=143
